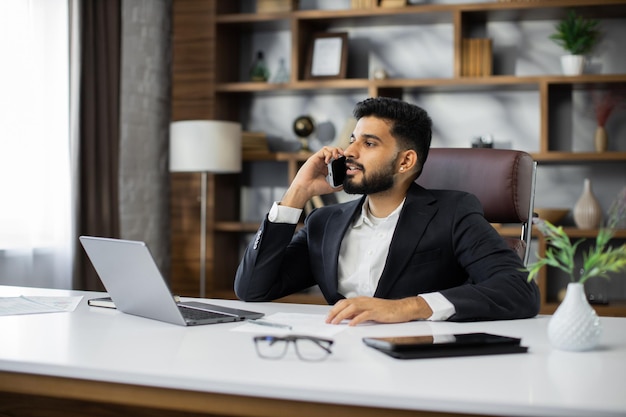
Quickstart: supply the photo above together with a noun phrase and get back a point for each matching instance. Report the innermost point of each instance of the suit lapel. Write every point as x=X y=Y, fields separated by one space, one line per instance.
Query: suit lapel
x=335 y=229
x=414 y=218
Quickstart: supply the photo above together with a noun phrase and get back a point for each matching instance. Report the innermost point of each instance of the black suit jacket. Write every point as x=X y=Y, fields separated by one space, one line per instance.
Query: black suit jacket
x=441 y=243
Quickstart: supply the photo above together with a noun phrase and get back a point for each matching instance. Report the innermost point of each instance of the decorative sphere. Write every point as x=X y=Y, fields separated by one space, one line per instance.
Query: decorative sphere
x=303 y=126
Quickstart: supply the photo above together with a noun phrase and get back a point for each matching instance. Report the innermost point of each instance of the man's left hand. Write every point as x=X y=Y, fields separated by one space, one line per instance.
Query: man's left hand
x=361 y=309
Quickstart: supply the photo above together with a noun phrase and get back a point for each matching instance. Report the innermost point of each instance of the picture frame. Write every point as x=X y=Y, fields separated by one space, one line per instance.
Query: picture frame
x=327 y=56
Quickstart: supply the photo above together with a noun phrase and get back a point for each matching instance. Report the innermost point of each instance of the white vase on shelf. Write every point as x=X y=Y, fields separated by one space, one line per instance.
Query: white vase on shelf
x=587 y=211
x=574 y=326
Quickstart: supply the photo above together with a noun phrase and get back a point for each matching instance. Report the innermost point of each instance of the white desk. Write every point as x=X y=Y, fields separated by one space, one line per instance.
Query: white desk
x=127 y=365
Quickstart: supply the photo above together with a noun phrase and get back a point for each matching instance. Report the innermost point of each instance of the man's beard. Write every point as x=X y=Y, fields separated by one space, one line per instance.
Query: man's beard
x=377 y=182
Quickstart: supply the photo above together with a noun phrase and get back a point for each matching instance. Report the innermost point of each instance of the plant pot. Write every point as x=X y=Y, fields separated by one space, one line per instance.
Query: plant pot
x=574 y=326
x=572 y=64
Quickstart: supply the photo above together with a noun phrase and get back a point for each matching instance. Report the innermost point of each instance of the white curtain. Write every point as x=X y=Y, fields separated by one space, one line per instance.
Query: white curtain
x=35 y=171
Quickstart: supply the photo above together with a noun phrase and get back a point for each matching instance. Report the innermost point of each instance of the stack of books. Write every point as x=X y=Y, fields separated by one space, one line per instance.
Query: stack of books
x=275 y=6
x=254 y=142
x=476 y=57
x=363 y=4
x=392 y=3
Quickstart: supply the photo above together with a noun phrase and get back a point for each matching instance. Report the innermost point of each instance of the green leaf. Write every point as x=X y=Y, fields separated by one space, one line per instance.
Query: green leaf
x=576 y=34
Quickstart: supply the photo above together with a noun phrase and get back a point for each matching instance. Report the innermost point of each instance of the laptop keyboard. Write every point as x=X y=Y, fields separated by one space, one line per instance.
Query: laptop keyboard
x=195 y=314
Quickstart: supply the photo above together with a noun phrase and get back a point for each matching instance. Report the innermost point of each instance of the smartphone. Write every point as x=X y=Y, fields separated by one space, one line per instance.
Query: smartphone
x=336 y=172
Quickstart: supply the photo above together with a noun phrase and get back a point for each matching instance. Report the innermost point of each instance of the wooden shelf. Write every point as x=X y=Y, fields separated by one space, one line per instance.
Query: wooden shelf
x=275 y=156
x=557 y=157
x=490 y=83
x=502 y=10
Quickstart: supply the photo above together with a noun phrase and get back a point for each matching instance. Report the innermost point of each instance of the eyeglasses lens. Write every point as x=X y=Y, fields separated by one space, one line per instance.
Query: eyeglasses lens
x=312 y=350
x=271 y=347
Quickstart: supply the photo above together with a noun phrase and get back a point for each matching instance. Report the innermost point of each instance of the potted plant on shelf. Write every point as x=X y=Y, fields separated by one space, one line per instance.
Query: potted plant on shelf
x=575 y=324
x=578 y=36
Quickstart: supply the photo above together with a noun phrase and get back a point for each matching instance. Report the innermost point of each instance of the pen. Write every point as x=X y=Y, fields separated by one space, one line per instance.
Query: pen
x=270 y=324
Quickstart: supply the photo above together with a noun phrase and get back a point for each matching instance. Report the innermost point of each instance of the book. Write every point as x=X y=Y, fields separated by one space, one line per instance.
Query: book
x=392 y=3
x=275 y=6
x=476 y=57
x=363 y=4
x=107 y=302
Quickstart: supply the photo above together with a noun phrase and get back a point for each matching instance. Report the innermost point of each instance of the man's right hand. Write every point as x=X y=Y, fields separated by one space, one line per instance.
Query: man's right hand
x=311 y=178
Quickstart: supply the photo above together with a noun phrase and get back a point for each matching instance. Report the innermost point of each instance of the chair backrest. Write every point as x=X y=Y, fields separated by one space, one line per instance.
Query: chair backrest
x=503 y=180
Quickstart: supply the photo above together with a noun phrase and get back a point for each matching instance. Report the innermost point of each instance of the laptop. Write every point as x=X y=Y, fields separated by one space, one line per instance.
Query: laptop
x=136 y=286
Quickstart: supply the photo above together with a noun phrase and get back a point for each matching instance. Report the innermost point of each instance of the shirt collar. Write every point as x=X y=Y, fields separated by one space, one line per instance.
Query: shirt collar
x=363 y=218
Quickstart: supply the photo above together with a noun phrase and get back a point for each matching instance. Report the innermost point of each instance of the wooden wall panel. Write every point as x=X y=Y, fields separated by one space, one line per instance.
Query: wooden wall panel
x=193 y=68
x=193 y=96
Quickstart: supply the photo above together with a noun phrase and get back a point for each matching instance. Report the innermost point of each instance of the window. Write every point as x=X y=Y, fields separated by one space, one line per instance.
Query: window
x=35 y=208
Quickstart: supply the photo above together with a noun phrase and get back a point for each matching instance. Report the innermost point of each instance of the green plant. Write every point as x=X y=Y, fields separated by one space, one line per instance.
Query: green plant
x=598 y=261
x=576 y=34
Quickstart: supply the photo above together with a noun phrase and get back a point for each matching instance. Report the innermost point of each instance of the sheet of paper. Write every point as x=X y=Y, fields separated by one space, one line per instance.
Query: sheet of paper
x=64 y=303
x=36 y=305
x=306 y=324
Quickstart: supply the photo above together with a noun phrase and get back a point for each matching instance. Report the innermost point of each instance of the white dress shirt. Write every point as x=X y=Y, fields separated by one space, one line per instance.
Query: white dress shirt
x=363 y=254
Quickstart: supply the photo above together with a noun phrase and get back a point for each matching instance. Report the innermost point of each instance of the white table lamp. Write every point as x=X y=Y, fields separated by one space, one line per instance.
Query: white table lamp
x=205 y=146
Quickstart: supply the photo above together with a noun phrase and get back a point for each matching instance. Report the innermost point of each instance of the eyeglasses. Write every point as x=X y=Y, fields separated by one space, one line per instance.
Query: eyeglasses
x=308 y=348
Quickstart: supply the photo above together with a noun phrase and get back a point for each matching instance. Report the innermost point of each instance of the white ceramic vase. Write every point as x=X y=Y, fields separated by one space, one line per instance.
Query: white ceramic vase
x=587 y=211
x=572 y=64
x=574 y=326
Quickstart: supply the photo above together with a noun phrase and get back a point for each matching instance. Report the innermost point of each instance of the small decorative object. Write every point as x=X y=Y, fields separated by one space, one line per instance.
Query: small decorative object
x=303 y=127
x=484 y=141
x=282 y=75
x=259 y=71
x=578 y=36
x=604 y=104
x=600 y=139
x=380 y=74
x=587 y=211
x=575 y=325
x=328 y=56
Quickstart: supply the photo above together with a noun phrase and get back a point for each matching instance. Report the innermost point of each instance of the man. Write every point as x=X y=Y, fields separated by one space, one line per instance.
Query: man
x=399 y=253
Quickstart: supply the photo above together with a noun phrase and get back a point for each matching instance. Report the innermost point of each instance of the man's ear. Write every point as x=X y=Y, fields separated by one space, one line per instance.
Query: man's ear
x=408 y=160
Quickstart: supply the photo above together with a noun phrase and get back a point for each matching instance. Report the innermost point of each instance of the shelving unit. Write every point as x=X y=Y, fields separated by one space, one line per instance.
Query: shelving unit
x=208 y=84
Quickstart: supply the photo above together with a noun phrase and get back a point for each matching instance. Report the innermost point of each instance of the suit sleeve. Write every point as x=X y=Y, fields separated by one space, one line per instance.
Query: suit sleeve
x=275 y=264
x=497 y=286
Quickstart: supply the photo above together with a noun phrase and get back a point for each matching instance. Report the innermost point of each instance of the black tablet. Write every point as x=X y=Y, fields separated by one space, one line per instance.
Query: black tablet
x=437 y=346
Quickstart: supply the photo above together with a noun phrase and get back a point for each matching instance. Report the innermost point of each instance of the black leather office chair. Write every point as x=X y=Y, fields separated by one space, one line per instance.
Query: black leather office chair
x=502 y=179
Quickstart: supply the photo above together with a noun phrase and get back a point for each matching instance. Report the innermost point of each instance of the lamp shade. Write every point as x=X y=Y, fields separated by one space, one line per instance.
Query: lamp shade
x=205 y=146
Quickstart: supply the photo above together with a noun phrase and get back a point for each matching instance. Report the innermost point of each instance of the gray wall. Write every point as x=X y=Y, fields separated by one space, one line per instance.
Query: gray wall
x=145 y=116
